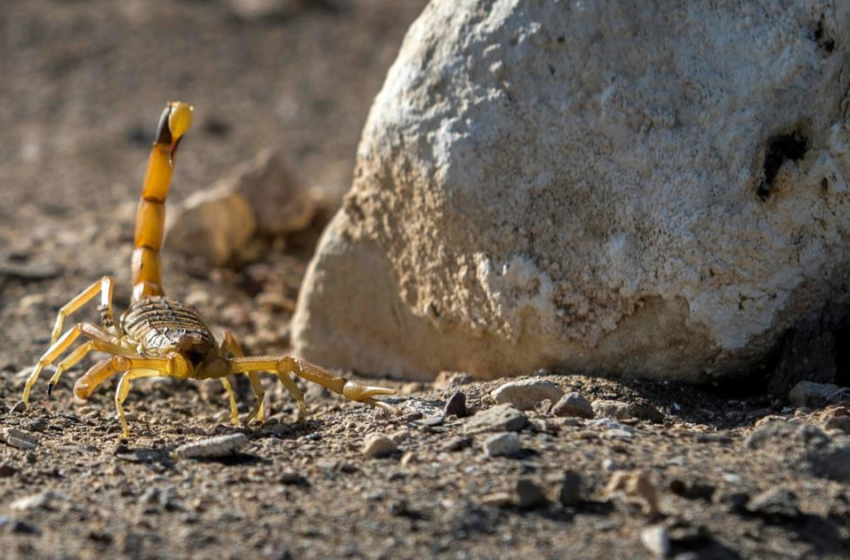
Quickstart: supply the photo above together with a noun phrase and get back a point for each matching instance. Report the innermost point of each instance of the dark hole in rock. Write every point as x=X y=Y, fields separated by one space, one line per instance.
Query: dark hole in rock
x=822 y=39
x=842 y=356
x=779 y=150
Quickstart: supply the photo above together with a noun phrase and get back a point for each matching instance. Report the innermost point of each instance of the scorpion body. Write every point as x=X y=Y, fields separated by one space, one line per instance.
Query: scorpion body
x=158 y=336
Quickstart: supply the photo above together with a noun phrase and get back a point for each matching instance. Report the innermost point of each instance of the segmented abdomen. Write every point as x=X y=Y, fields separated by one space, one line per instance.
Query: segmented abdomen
x=159 y=324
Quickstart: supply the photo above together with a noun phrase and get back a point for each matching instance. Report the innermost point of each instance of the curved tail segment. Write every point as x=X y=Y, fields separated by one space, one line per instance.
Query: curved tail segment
x=150 y=218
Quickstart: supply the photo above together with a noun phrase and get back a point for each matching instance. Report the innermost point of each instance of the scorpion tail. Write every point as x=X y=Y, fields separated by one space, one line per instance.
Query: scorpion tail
x=150 y=218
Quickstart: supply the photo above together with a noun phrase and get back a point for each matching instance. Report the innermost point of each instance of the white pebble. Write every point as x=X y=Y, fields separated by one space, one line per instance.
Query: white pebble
x=220 y=446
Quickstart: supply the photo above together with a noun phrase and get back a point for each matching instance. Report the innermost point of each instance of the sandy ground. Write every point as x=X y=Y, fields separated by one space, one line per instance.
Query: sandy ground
x=705 y=475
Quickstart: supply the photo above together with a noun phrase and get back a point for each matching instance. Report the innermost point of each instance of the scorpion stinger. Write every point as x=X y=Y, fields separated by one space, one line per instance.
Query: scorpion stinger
x=158 y=336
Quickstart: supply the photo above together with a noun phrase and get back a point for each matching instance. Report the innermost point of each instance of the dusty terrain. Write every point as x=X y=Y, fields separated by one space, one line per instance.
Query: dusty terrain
x=83 y=83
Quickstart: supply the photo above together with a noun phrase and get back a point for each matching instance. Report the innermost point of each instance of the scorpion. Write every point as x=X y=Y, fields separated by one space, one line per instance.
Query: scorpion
x=161 y=337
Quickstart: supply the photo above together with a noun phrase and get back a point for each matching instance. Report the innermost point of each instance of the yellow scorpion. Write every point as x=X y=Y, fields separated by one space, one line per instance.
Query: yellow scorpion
x=160 y=337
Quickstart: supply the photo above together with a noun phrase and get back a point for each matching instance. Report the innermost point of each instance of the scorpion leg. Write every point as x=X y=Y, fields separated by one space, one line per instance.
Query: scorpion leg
x=305 y=370
x=173 y=365
x=124 y=389
x=234 y=410
x=104 y=287
x=65 y=341
x=78 y=354
x=230 y=343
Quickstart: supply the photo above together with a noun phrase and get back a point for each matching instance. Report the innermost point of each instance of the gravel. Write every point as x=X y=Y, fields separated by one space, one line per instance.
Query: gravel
x=221 y=446
x=506 y=444
x=527 y=393
x=500 y=418
x=573 y=404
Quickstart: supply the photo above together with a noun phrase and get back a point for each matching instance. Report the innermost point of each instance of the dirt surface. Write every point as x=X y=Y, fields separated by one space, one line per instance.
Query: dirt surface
x=682 y=472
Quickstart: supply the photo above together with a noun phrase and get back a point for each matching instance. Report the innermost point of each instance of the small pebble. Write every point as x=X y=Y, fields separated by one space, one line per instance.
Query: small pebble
x=611 y=409
x=18 y=407
x=573 y=405
x=7 y=470
x=500 y=418
x=529 y=494
x=636 y=486
x=506 y=444
x=497 y=499
x=656 y=539
x=456 y=405
x=570 y=490
x=458 y=444
x=42 y=500
x=526 y=393
x=777 y=504
x=221 y=446
x=20 y=439
x=810 y=394
x=377 y=446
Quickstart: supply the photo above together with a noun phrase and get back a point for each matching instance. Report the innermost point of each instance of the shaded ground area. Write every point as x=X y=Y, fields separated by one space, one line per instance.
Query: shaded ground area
x=84 y=83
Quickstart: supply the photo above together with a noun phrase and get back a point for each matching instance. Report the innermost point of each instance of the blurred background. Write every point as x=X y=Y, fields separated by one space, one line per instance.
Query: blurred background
x=84 y=81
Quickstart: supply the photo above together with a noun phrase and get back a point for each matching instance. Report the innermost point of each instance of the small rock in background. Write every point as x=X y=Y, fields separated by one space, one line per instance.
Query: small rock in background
x=656 y=539
x=7 y=470
x=526 y=393
x=611 y=409
x=19 y=439
x=221 y=446
x=506 y=444
x=529 y=494
x=803 y=448
x=573 y=404
x=569 y=493
x=777 y=504
x=452 y=379
x=808 y=393
x=497 y=499
x=636 y=486
x=456 y=405
x=214 y=224
x=500 y=418
x=255 y=10
x=836 y=418
x=263 y=197
x=458 y=444
x=42 y=500
x=692 y=490
x=378 y=446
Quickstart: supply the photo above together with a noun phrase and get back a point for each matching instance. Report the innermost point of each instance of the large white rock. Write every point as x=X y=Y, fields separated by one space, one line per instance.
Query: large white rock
x=639 y=188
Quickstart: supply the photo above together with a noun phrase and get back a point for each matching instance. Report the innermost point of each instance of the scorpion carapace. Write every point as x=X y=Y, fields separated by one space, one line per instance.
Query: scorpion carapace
x=161 y=337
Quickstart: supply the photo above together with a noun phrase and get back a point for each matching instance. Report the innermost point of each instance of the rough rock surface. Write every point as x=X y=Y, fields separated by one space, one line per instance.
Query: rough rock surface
x=653 y=188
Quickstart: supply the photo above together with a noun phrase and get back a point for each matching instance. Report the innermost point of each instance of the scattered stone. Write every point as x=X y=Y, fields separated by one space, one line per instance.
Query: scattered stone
x=378 y=446
x=803 y=449
x=458 y=444
x=408 y=459
x=456 y=405
x=254 y=10
x=611 y=409
x=452 y=379
x=292 y=478
x=573 y=404
x=18 y=407
x=635 y=486
x=30 y=271
x=497 y=499
x=808 y=393
x=569 y=493
x=645 y=411
x=500 y=418
x=620 y=434
x=506 y=444
x=35 y=424
x=42 y=500
x=526 y=393
x=220 y=446
x=837 y=419
x=18 y=527
x=777 y=504
x=19 y=439
x=7 y=470
x=656 y=539
x=840 y=396
x=529 y=494
x=733 y=502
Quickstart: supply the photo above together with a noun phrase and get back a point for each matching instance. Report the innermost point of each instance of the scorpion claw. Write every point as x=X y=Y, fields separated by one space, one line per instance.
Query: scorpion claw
x=364 y=393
